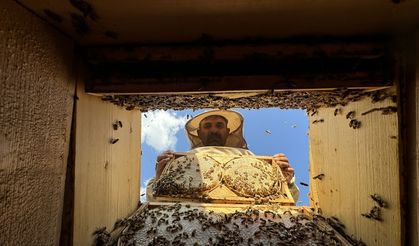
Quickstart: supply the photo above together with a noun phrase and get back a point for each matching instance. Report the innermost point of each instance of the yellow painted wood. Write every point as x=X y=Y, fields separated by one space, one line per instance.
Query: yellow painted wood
x=357 y=163
x=107 y=185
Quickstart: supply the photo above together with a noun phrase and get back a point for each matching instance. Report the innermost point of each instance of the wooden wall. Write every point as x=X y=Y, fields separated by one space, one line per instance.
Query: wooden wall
x=357 y=163
x=410 y=127
x=107 y=176
x=36 y=101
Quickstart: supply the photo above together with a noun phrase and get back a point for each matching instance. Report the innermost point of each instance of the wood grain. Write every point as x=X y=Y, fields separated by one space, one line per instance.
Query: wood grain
x=107 y=185
x=357 y=163
x=36 y=102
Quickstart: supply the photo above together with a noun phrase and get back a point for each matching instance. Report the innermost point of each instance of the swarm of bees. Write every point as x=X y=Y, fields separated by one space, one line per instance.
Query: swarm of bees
x=186 y=225
x=189 y=176
x=310 y=100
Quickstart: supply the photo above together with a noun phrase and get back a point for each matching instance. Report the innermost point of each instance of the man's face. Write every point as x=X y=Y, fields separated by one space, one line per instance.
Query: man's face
x=213 y=131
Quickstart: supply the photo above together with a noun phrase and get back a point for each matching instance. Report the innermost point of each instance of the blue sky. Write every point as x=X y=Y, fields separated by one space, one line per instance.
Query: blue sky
x=267 y=131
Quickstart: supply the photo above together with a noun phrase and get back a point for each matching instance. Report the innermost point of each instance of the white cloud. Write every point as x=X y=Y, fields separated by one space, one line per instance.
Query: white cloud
x=160 y=128
x=143 y=190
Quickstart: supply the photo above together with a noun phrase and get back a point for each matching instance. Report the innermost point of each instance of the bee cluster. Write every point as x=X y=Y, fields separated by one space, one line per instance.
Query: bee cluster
x=309 y=100
x=250 y=177
x=190 y=176
x=194 y=176
x=185 y=225
x=375 y=212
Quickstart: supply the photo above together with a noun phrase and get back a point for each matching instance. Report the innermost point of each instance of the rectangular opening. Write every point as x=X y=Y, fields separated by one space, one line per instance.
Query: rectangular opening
x=268 y=131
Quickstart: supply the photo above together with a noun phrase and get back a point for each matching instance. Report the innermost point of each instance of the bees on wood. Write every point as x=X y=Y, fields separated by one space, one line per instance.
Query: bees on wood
x=319 y=176
x=355 y=124
x=378 y=200
x=350 y=115
x=114 y=140
x=374 y=213
x=318 y=121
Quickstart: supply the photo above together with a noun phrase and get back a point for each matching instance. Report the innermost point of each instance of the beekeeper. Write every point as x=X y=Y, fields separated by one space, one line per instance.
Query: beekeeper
x=220 y=132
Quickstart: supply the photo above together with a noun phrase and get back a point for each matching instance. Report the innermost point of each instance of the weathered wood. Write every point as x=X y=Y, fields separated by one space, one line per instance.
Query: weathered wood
x=357 y=163
x=36 y=101
x=308 y=48
x=410 y=134
x=107 y=165
x=240 y=67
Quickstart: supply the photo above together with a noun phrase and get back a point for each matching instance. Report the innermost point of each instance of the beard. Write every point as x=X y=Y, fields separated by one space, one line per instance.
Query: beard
x=214 y=139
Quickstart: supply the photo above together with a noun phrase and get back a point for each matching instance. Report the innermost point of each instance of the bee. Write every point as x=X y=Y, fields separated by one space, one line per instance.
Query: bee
x=337 y=111
x=318 y=121
x=99 y=230
x=319 y=177
x=130 y=107
x=375 y=214
x=355 y=124
x=114 y=140
x=378 y=200
x=350 y=115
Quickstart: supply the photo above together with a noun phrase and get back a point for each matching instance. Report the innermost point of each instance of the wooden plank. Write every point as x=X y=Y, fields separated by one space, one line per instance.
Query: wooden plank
x=36 y=104
x=369 y=48
x=410 y=127
x=232 y=84
x=357 y=163
x=415 y=153
x=106 y=175
x=239 y=67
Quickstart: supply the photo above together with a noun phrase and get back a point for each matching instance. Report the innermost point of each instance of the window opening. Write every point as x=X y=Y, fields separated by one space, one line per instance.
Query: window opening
x=268 y=131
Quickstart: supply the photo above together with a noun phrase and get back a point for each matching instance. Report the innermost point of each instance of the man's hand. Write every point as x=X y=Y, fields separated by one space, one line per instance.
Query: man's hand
x=162 y=161
x=282 y=161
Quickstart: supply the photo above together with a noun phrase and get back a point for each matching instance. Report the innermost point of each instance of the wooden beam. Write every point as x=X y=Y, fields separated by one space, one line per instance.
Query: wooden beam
x=240 y=67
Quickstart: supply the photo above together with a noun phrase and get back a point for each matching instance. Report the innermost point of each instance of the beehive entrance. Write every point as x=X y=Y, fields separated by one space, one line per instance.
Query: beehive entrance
x=357 y=79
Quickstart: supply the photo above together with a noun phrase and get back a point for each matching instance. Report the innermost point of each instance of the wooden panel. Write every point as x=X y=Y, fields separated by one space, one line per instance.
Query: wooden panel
x=357 y=163
x=411 y=122
x=159 y=21
x=220 y=67
x=107 y=185
x=36 y=103
x=415 y=141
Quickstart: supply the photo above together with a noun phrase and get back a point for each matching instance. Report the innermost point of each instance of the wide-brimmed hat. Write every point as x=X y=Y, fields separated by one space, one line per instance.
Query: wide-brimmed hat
x=234 y=123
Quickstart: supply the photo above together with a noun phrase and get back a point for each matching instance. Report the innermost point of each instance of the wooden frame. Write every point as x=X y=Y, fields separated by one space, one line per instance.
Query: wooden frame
x=222 y=195
x=244 y=67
